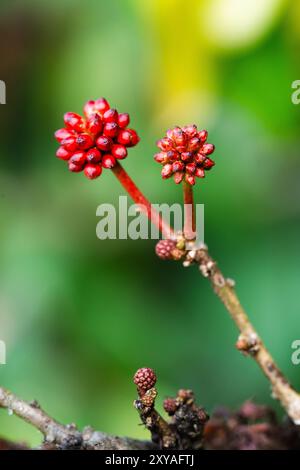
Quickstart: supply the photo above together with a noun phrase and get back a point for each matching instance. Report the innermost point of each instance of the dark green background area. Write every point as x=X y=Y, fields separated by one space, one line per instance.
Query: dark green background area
x=80 y=315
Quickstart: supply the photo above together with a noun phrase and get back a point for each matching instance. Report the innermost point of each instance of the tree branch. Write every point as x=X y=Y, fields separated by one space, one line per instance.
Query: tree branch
x=249 y=341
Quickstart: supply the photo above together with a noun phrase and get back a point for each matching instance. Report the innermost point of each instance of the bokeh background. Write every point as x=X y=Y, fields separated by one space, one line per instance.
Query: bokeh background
x=80 y=315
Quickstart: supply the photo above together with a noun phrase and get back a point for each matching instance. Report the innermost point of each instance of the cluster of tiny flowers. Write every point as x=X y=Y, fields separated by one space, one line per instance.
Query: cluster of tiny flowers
x=165 y=248
x=185 y=154
x=170 y=405
x=95 y=141
x=144 y=379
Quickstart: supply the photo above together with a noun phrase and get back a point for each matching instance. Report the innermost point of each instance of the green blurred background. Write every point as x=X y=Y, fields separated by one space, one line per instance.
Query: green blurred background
x=80 y=315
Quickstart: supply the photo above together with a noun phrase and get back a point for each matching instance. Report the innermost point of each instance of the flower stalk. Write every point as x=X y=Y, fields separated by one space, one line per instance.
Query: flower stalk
x=249 y=342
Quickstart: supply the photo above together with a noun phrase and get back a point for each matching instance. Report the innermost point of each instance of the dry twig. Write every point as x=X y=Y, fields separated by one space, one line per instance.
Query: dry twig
x=249 y=341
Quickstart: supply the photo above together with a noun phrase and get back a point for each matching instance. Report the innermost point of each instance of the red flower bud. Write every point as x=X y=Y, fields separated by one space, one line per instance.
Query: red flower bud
x=180 y=138
x=96 y=140
x=208 y=164
x=172 y=155
x=170 y=406
x=74 y=121
x=186 y=156
x=111 y=115
x=207 y=149
x=172 y=132
x=203 y=135
x=164 y=249
x=184 y=153
x=62 y=134
x=70 y=144
x=128 y=137
x=190 y=179
x=89 y=108
x=164 y=144
x=160 y=157
x=167 y=171
x=191 y=168
x=191 y=131
x=63 y=154
x=144 y=378
x=110 y=129
x=101 y=106
x=199 y=158
x=178 y=166
x=178 y=176
x=78 y=158
x=104 y=143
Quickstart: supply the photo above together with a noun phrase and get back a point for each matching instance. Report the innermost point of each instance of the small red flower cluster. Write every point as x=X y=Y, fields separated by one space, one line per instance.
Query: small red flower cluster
x=96 y=141
x=144 y=379
x=184 y=154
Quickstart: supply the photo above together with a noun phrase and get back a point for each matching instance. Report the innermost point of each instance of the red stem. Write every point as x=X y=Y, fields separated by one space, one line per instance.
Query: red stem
x=139 y=198
x=189 y=211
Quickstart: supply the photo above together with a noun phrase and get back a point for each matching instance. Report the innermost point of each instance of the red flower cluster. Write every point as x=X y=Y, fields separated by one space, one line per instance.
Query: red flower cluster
x=95 y=141
x=184 y=154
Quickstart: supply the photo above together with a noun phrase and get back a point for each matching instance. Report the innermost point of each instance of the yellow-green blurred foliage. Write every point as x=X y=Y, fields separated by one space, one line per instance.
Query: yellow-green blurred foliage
x=79 y=315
